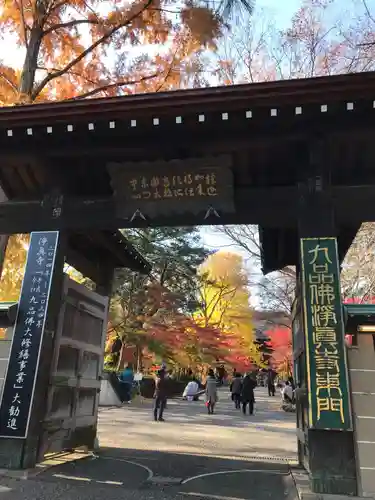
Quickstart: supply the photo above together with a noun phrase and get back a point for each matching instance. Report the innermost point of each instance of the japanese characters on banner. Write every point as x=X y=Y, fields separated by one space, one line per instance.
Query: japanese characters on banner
x=18 y=390
x=329 y=403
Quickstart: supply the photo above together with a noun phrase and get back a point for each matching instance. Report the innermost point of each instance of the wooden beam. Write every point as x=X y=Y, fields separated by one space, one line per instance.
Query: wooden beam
x=253 y=206
x=271 y=207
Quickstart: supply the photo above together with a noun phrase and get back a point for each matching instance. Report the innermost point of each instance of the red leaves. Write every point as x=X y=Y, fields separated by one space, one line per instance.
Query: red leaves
x=281 y=344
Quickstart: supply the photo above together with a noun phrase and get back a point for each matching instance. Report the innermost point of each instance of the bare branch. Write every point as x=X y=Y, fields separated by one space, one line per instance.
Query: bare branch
x=25 y=26
x=368 y=12
x=110 y=86
x=69 y=24
x=9 y=82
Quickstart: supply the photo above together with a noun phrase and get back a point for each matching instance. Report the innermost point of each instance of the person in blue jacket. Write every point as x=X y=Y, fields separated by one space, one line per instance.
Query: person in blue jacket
x=126 y=378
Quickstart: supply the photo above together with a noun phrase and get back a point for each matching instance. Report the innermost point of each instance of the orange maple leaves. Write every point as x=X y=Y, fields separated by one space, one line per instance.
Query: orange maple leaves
x=85 y=48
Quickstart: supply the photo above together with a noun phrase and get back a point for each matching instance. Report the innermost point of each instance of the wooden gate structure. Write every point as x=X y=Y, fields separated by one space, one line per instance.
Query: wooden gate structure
x=295 y=157
x=73 y=394
x=50 y=394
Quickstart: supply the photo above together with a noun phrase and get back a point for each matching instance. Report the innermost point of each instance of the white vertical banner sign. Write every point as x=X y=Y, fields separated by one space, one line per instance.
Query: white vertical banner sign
x=19 y=386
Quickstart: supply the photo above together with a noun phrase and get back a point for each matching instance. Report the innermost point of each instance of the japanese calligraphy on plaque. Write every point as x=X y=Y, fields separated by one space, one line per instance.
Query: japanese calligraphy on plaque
x=190 y=185
x=329 y=403
x=18 y=391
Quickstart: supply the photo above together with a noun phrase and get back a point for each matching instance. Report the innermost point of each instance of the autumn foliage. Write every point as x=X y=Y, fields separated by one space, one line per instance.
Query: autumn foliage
x=219 y=329
x=280 y=344
x=85 y=48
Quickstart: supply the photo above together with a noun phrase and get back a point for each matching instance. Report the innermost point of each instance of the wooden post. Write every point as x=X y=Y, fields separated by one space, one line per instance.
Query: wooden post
x=329 y=444
x=23 y=404
x=104 y=287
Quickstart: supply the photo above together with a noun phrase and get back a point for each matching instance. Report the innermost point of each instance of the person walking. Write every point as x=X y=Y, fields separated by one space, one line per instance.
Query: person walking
x=236 y=388
x=211 y=391
x=220 y=374
x=160 y=396
x=247 y=395
x=271 y=375
x=126 y=378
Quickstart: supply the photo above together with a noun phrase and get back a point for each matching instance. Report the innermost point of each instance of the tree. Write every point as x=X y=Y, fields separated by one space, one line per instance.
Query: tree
x=224 y=304
x=324 y=37
x=186 y=342
x=280 y=345
x=175 y=254
x=358 y=270
x=220 y=327
x=85 y=48
x=276 y=290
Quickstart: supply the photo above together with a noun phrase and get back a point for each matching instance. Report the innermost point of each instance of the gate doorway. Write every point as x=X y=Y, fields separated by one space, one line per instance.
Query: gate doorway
x=73 y=394
x=284 y=155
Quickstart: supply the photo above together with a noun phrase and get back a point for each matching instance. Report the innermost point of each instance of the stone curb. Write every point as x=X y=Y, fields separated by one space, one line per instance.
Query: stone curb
x=302 y=483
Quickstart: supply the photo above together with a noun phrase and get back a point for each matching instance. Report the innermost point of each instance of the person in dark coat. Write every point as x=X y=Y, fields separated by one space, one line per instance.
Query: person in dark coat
x=271 y=375
x=247 y=395
x=160 y=396
x=235 y=388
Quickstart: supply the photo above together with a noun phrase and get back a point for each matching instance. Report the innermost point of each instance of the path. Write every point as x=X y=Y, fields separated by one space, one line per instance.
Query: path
x=226 y=456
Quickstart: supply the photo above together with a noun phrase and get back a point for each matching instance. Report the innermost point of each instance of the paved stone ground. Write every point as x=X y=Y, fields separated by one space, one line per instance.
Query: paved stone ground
x=226 y=456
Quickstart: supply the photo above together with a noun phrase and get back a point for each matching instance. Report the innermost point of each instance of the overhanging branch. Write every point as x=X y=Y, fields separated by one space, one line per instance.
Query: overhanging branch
x=87 y=51
x=9 y=82
x=104 y=88
x=69 y=24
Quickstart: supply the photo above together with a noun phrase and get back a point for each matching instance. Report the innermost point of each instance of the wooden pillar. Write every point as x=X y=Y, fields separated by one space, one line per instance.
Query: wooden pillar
x=104 y=284
x=329 y=444
x=21 y=417
x=3 y=237
x=103 y=287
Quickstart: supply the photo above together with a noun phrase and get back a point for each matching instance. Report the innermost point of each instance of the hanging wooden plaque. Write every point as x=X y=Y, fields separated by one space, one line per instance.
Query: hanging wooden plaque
x=176 y=186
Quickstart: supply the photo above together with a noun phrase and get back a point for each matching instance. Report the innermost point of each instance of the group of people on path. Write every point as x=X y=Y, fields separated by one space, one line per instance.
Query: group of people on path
x=242 y=389
x=160 y=394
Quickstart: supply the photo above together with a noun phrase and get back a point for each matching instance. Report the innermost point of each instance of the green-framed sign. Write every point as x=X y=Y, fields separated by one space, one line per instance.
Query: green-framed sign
x=329 y=402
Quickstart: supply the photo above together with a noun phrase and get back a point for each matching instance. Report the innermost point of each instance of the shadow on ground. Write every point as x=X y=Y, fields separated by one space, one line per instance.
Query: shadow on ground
x=176 y=475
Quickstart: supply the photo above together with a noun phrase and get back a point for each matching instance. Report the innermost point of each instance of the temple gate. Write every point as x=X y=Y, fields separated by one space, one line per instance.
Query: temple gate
x=294 y=157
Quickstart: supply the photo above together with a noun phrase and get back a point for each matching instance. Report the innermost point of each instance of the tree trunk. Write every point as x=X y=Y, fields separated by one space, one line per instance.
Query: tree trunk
x=30 y=64
x=119 y=361
x=139 y=357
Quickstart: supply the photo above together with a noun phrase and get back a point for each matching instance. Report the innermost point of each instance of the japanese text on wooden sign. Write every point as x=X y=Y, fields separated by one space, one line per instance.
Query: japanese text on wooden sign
x=158 y=187
x=18 y=392
x=189 y=185
x=329 y=403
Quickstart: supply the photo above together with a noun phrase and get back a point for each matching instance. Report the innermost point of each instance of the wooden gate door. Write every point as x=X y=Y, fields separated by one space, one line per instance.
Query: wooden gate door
x=73 y=395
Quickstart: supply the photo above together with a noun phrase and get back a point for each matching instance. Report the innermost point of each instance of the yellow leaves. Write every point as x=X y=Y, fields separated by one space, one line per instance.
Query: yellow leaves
x=225 y=299
x=8 y=85
x=225 y=266
x=13 y=267
x=74 y=274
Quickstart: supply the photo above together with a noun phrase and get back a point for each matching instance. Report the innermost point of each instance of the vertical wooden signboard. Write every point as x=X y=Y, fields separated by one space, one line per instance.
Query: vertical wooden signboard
x=19 y=386
x=329 y=402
